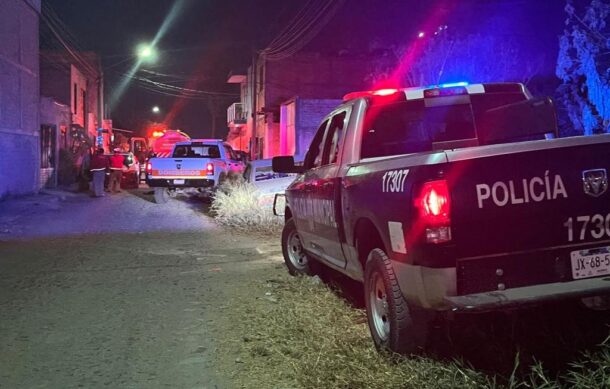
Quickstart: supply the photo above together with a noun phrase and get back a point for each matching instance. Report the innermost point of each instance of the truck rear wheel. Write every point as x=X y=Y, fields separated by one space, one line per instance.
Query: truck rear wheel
x=297 y=261
x=394 y=325
x=161 y=195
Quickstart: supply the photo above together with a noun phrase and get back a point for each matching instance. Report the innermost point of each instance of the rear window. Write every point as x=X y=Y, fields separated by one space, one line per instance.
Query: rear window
x=413 y=126
x=196 y=151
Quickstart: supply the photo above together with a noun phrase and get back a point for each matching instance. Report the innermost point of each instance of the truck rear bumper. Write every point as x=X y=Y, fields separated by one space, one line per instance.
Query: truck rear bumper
x=188 y=183
x=529 y=295
x=435 y=288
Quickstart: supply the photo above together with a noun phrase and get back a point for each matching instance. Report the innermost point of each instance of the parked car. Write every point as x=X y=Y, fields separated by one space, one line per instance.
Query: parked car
x=195 y=167
x=450 y=199
x=269 y=183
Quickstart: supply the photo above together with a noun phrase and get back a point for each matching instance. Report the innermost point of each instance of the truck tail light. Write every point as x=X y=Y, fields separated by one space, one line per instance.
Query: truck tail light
x=149 y=168
x=209 y=168
x=434 y=205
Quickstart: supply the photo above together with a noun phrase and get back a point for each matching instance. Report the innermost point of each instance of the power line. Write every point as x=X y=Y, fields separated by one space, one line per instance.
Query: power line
x=54 y=25
x=303 y=28
x=175 y=90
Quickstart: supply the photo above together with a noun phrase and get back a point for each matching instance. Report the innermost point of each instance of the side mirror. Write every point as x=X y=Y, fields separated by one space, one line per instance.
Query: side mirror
x=285 y=164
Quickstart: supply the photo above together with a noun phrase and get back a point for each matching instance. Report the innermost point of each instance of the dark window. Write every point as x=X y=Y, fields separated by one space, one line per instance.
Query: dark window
x=230 y=153
x=333 y=138
x=314 y=154
x=75 y=94
x=486 y=101
x=413 y=126
x=47 y=147
x=196 y=151
x=261 y=75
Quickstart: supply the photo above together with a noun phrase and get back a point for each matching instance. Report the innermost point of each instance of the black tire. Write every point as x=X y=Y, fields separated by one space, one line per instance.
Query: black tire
x=395 y=326
x=161 y=195
x=297 y=261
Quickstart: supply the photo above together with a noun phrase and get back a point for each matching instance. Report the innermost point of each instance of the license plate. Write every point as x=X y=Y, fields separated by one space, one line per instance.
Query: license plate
x=590 y=263
x=178 y=182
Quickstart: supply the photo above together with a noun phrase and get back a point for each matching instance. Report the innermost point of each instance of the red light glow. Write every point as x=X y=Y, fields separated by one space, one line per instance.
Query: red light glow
x=209 y=168
x=434 y=202
x=385 y=92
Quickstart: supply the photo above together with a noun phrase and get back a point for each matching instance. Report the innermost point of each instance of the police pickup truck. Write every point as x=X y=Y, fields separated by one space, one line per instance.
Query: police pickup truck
x=197 y=166
x=450 y=198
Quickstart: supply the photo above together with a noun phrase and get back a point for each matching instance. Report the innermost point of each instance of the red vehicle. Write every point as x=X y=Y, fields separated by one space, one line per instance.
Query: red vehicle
x=159 y=145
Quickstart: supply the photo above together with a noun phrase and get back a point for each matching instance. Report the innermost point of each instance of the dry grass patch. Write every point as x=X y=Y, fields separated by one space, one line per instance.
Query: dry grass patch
x=297 y=333
x=236 y=205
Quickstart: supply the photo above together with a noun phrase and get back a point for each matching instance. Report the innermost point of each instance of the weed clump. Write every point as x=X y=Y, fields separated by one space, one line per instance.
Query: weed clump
x=236 y=204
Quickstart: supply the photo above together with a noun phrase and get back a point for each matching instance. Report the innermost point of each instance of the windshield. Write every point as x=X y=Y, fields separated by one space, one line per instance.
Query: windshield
x=196 y=151
x=413 y=126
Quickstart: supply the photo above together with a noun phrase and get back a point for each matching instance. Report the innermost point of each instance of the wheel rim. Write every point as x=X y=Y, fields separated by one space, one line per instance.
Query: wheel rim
x=378 y=301
x=297 y=256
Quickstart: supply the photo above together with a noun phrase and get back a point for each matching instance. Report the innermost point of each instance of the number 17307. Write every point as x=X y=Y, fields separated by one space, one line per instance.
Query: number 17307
x=583 y=227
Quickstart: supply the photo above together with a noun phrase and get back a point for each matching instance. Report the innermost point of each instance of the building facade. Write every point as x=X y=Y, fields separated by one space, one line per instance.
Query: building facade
x=284 y=101
x=19 y=96
x=71 y=114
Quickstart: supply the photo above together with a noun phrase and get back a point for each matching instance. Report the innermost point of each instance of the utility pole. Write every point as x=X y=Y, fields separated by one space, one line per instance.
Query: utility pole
x=253 y=146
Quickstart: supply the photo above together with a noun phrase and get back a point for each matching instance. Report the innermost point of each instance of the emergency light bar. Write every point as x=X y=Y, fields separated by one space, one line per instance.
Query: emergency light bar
x=448 y=89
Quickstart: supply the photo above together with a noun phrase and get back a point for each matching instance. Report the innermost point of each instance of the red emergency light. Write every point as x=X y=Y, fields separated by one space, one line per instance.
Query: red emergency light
x=378 y=92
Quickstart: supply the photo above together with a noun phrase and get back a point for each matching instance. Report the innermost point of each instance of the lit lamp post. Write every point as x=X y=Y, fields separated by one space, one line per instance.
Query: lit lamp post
x=146 y=53
x=156 y=109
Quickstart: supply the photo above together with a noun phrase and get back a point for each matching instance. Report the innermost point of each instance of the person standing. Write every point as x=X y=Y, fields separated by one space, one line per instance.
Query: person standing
x=98 y=166
x=117 y=161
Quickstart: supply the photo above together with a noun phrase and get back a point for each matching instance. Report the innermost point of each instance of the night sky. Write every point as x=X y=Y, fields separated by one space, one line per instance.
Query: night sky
x=208 y=39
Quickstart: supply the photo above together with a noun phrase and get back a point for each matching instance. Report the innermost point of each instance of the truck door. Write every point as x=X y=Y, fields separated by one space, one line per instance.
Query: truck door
x=322 y=193
x=234 y=165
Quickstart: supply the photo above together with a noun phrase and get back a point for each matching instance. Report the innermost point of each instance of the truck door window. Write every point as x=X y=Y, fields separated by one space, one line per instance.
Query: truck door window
x=314 y=155
x=230 y=153
x=333 y=138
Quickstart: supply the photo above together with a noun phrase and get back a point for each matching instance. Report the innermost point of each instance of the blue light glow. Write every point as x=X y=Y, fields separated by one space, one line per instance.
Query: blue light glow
x=453 y=84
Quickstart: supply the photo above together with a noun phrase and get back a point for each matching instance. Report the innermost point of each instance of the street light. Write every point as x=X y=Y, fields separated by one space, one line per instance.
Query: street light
x=156 y=109
x=146 y=52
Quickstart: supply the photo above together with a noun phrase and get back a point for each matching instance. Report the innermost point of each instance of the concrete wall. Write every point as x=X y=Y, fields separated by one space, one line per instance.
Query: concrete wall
x=19 y=97
x=308 y=118
x=58 y=116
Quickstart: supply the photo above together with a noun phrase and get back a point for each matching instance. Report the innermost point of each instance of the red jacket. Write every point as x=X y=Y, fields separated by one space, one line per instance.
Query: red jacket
x=98 y=162
x=117 y=161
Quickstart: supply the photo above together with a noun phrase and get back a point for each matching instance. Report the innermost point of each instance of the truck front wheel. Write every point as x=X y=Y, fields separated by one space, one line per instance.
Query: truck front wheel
x=297 y=261
x=394 y=325
x=161 y=195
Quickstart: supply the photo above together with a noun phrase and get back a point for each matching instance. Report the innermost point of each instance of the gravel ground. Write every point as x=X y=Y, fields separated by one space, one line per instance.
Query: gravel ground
x=78 y=213
x=118 y=291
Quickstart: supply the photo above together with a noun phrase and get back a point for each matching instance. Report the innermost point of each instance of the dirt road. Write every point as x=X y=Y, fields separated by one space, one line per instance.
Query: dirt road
x=137 y=307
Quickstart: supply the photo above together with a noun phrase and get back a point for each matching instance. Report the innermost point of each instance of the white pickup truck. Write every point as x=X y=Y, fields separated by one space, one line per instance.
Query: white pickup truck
x=197 y=166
